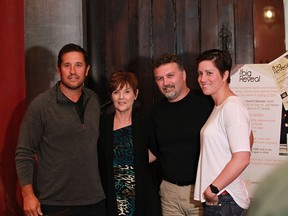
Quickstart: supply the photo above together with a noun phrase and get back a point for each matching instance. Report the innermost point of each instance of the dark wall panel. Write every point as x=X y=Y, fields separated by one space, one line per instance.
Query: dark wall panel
x=142 y=53
x=187 y=40
x=163 y=22
x=208 y=24
x=117 y=35
x=244 y=32
x=131 y=32
x=96 y=39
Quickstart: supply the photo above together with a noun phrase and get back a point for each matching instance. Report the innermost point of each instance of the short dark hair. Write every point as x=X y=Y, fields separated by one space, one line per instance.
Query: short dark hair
x=166 y=58
x=120 y=79
x=221 y=59
x=72 y=48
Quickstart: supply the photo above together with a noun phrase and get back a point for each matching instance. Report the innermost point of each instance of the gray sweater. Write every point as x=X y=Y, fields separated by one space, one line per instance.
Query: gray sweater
x=65 y=149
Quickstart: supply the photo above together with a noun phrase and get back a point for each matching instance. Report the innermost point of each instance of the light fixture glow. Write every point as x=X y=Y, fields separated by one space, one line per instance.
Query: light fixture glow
x=269 y=14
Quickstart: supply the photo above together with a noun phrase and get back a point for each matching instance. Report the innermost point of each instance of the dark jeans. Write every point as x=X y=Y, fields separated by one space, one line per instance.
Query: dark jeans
x=226 y=207
x=97 y=209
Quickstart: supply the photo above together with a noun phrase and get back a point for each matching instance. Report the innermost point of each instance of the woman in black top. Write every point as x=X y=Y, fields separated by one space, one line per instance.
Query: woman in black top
x=124 y=155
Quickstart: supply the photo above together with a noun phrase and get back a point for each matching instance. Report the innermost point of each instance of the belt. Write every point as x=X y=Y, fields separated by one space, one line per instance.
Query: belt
x=224 y=193
x=179 y=183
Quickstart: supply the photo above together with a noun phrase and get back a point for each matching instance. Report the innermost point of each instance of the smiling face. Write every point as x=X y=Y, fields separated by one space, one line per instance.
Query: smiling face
x=123 y=98
x=171 y=81
x=73 y=70
x=210 y=79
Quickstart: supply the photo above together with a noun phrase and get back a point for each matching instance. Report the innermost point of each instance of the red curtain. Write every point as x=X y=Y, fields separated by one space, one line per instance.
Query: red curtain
x=12 y=101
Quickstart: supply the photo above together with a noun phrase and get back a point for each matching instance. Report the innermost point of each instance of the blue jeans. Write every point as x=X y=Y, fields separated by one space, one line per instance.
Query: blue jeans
x=226 y=207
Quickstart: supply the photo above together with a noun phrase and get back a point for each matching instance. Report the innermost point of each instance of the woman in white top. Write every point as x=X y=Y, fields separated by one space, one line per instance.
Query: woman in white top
x=225 y=140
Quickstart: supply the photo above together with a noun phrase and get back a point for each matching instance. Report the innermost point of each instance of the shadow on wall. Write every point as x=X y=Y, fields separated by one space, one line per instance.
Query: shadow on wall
x=190 y=66
x=12 y=203
x=148 y=92
x=40 y=70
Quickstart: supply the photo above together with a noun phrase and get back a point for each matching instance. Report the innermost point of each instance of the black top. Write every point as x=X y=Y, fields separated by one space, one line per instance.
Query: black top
x=178 y=126
x=147 y=197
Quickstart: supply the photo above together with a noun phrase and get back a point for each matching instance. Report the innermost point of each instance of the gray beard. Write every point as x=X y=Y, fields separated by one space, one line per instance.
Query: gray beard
x=170 y=95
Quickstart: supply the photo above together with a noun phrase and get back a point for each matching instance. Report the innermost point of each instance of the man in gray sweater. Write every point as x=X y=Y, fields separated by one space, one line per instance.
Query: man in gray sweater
x=59 y=133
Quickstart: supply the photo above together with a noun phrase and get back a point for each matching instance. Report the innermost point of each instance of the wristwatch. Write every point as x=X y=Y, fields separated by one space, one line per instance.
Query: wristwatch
x=214 y=189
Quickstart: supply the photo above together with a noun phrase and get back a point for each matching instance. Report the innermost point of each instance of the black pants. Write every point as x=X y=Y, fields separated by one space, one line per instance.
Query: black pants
x=97 y=209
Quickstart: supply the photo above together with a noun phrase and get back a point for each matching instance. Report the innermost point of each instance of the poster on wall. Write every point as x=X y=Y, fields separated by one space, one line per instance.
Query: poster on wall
x=262 y=88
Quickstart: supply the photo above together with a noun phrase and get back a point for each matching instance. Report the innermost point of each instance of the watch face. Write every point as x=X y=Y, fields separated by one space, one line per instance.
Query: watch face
x=214 y=189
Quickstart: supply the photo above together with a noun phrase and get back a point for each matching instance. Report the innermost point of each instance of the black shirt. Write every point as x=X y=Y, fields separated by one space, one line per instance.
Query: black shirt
x=177 y=128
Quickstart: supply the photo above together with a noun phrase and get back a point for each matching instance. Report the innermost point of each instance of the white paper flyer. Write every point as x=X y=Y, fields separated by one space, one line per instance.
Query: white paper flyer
x=255 y=85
